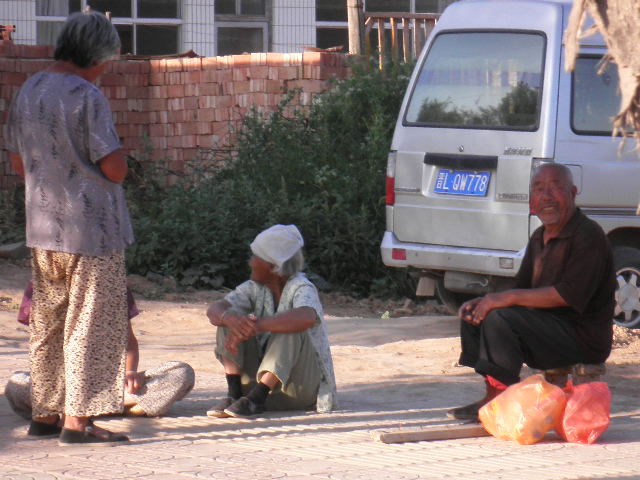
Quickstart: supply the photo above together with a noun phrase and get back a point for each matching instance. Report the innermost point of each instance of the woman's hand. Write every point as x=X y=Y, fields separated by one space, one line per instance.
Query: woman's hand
x=244 y=327
x=240 y=326
x=133 y=381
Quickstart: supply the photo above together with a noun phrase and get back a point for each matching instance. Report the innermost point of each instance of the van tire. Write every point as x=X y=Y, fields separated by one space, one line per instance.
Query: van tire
x=451 y=300
x=626 y=261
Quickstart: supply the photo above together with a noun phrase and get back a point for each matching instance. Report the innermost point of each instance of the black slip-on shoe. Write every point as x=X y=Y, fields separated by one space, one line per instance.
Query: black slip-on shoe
x=70 y=438
x=244 y=408
x=218 y=410
x=39 y=429
x=468 y=412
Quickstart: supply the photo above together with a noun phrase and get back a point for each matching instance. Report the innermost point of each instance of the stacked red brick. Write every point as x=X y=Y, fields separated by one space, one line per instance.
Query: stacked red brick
x=184 y=106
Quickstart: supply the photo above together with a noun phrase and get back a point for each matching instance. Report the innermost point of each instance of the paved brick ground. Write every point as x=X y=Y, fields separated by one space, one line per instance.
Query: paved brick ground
x=188 y=445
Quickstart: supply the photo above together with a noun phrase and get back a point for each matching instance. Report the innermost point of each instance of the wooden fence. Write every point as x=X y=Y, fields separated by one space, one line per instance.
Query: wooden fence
x=408 y=34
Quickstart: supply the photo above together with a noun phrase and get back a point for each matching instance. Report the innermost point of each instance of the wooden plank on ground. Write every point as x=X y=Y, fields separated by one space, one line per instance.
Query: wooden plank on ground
x=437 y=432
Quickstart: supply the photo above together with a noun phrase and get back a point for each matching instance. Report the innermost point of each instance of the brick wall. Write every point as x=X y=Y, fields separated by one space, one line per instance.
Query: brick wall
x=185 y=106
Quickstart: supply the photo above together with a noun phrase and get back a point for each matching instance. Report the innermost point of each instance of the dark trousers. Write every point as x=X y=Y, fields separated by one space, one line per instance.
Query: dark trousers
x=510 y=337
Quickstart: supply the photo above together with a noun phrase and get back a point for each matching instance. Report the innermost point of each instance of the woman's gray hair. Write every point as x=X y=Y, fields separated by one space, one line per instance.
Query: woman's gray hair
x=87 y=39
x=292 y=266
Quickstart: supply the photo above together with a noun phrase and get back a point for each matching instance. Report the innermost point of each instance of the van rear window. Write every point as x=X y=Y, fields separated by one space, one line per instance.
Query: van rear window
x=487 y=80
x=596 y=96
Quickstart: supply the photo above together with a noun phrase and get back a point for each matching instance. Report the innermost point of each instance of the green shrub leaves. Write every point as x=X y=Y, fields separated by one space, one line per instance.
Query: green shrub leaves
x=320 y=167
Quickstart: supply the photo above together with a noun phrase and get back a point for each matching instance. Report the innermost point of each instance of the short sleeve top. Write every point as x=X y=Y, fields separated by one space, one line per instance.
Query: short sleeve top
x=579 y=264
x=299 y=291
x=61 y=125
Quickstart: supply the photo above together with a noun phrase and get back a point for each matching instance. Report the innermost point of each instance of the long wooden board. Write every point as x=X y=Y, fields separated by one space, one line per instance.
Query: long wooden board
x=437 y=432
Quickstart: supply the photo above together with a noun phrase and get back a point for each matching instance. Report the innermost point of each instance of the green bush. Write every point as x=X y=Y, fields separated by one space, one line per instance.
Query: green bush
x=12 y=220
x=320 y=167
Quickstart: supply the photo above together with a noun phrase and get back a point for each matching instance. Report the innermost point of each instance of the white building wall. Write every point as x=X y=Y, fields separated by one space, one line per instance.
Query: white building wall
x=20 y=13
x=294 y=25
x=198 y=27
x=197 y=31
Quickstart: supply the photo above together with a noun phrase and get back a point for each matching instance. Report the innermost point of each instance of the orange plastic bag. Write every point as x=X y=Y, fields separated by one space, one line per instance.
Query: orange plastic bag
x=524 y=412
x=586 y=415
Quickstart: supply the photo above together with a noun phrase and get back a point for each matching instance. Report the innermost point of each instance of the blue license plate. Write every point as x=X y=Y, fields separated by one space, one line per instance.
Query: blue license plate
x=462 y=182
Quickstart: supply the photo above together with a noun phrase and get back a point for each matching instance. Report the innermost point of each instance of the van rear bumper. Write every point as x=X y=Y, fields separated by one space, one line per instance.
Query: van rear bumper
x=446 y=257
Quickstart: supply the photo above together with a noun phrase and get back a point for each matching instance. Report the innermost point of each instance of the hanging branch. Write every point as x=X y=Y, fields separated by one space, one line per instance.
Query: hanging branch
x=618 y=21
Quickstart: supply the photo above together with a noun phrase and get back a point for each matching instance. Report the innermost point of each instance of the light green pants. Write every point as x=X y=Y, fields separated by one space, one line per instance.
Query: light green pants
x=289 y=356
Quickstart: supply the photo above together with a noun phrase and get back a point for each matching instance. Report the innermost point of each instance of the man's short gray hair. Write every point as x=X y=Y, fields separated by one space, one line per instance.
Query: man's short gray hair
x=87 y=39
x=292 y=266
x=563 y=169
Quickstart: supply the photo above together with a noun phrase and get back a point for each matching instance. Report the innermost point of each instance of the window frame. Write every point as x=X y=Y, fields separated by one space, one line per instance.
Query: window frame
x=344 y=24
x=533 y=128
x=134 y=20
x=264 y=25
x=237 y=14
x=577 y=131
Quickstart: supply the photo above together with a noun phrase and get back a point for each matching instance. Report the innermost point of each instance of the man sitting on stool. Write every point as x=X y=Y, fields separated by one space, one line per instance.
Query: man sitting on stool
x=561 y=309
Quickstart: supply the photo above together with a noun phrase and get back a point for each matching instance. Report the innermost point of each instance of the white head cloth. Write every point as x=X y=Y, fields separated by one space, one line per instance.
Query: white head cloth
x=277 y=244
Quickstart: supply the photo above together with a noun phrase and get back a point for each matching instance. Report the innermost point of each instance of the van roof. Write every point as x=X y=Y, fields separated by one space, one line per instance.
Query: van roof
x=594 y=40
x=566 y=3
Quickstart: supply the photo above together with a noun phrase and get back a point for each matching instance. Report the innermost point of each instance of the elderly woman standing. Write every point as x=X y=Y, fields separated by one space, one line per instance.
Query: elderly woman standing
x=271 y=339
x=62 y=140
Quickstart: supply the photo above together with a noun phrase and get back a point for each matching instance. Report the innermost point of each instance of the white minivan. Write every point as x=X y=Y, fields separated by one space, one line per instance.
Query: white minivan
x=489 y=100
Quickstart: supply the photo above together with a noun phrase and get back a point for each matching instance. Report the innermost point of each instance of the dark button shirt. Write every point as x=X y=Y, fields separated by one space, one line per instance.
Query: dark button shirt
x=579 y=264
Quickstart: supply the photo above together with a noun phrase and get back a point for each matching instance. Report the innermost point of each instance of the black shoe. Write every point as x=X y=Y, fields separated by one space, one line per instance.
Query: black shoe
x=70 y=438
x=218 y=410
x=39 y=429
x=244 y=408
x=468 y=412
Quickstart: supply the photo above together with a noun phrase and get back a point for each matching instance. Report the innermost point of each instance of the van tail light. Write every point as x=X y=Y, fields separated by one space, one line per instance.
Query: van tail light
x=390 y=195
x=399 y=254
x=390 y=184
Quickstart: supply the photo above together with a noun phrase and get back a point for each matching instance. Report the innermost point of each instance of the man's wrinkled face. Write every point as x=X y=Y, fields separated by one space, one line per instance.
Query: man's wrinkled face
x=552 y=197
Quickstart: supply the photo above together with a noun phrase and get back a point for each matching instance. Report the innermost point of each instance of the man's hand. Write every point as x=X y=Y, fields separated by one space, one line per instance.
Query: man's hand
x=475 y=311
x=134 y=381
x=467 y=309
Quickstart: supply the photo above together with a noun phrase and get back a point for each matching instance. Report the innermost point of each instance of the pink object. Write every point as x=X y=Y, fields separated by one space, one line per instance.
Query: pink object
x=587 y=413
x=25 y=306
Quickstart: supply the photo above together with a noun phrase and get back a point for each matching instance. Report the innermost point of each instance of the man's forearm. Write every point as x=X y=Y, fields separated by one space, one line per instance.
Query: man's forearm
x=216 y=312
x=474 y=312
x=544 y=297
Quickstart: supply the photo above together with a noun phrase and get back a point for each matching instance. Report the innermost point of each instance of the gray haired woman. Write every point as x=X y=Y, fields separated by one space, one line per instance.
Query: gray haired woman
x=63 y=142
x=271 y=338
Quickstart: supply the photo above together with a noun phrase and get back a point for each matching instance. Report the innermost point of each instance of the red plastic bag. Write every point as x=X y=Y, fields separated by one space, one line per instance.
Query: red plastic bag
x=524 y=412
x=586 y=415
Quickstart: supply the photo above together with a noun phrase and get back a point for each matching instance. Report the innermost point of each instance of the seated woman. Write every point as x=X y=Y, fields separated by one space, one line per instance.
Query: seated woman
x=270 y=338
x=148 y=393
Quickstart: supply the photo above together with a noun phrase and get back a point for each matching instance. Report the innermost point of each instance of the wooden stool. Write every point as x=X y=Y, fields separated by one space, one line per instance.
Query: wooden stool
x=581 y=373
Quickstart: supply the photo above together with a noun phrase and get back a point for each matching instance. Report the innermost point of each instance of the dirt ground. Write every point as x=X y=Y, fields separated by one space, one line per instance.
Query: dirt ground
x=383 y=351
